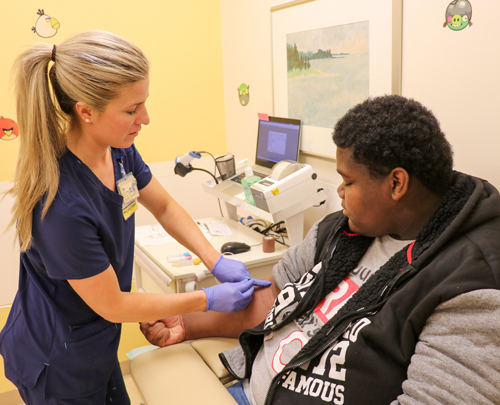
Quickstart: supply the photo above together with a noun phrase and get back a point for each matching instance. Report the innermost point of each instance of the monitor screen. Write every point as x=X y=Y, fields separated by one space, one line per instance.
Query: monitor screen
x=278 y=139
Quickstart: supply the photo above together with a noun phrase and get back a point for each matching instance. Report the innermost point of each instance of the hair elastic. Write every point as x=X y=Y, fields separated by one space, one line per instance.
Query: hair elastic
x=53 y=53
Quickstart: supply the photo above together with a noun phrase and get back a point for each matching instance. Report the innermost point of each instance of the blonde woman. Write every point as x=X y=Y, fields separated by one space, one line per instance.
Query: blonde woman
x=79 y=177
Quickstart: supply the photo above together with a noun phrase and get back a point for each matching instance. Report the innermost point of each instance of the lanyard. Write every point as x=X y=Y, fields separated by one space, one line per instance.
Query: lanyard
x=120 y=162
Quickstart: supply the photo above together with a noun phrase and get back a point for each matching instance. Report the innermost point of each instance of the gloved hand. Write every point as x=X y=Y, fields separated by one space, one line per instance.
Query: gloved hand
x=227 y=270
x=229 y=297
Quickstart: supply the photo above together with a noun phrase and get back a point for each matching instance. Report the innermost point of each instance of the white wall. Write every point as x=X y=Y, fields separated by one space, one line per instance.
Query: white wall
x=246 y=58
x=187 y=191
x=454 y=73
x=9 y=250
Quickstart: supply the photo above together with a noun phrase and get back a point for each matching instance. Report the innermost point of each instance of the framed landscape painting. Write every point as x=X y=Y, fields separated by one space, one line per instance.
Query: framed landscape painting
x=329 y=55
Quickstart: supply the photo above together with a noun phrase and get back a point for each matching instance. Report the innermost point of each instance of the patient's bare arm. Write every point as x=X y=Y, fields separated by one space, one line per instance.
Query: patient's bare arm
x=173 y=330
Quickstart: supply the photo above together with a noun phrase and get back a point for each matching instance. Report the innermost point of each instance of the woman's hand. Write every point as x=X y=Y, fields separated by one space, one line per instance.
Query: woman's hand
x=229 y=297
x=233 y=271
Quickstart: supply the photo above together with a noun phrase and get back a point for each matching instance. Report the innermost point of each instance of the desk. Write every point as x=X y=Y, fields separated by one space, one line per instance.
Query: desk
x=155 y=275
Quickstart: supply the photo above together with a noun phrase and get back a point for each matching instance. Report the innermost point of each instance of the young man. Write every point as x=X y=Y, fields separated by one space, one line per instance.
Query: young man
x=393 y=300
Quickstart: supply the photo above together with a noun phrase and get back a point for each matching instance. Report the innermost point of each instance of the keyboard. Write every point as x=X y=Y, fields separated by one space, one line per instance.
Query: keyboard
x=218 y=228
x=238 y=178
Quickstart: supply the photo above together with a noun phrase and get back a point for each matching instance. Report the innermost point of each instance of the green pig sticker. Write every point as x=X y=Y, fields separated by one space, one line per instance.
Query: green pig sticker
x=244 y=94
x=458 y=15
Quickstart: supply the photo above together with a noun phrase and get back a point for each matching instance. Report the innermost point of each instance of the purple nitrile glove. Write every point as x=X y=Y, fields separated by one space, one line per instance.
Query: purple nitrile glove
x=228 y=270
x=229 y=297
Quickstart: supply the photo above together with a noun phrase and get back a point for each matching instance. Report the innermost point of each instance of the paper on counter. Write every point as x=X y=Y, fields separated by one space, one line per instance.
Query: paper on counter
x=152 y=235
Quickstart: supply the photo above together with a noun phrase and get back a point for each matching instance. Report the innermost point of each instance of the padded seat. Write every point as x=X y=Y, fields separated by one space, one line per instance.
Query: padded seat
x=188 y=373
x=209 y=349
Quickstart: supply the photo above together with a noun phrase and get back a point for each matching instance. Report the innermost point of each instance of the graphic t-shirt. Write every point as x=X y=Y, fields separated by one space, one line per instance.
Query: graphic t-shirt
x=280 y=346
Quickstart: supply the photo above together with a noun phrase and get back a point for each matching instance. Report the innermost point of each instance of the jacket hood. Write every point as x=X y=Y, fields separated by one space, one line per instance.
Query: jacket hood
x=482 y=205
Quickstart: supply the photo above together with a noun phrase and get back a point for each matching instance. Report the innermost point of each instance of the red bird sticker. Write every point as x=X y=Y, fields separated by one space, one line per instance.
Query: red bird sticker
x=8 y=129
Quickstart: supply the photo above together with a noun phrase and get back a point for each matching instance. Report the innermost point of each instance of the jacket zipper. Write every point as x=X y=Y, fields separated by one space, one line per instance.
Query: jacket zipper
x=334 y=243
x=393 y=285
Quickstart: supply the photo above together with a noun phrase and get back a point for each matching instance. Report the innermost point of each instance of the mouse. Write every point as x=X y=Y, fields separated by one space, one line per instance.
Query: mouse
x=234 y=247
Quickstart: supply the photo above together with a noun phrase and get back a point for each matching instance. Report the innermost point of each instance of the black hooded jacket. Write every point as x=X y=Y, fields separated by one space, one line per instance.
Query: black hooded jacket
x=362 y=354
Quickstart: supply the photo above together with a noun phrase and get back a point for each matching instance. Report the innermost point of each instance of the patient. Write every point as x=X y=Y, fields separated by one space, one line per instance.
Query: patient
x=393 y=300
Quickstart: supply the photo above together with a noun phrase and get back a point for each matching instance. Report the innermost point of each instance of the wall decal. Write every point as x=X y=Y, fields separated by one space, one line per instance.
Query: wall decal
x=458 y=15
x=45 y=26
x=244 y=94
x=8 y=129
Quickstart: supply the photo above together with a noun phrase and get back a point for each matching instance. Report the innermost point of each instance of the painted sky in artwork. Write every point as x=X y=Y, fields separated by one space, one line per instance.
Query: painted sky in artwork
x=328 y=72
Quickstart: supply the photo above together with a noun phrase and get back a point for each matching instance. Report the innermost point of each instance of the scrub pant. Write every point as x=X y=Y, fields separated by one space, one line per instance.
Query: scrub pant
x=115 y=393
x=238 y=393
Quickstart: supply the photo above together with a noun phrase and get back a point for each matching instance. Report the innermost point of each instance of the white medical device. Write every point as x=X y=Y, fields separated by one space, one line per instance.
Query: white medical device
x=289 y=182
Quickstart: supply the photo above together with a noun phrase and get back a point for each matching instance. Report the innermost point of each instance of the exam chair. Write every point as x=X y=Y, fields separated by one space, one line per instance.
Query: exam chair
x=188 y=373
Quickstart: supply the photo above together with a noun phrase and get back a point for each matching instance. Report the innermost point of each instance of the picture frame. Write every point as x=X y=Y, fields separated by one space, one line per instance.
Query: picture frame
x=381 y=21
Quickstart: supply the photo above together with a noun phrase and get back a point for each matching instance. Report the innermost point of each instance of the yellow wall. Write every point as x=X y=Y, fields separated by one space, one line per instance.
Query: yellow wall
x=181 y=38
x=132 y=338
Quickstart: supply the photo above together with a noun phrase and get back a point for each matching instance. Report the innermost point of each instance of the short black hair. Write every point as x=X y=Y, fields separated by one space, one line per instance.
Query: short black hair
x=393 y=131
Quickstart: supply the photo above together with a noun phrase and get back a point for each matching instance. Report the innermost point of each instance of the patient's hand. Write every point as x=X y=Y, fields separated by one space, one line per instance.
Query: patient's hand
x=164 y=332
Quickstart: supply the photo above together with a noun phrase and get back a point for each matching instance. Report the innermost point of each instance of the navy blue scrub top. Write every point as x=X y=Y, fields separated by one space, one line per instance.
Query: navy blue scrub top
x=49 y=326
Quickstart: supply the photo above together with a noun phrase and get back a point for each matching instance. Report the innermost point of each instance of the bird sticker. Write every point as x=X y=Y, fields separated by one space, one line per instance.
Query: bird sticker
x=244 y=94
x=8 y=129
x=45 y=26
x=458 y=15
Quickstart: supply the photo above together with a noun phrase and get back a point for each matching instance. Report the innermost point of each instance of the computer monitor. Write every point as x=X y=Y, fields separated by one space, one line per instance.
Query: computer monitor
x=277 y=139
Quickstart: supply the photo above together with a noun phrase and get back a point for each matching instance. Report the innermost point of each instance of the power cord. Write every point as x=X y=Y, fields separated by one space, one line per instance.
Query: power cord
x=206 y=171
x=274 y=229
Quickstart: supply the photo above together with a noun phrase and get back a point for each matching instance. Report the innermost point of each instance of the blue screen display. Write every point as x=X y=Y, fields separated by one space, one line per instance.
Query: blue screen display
x=277 y=141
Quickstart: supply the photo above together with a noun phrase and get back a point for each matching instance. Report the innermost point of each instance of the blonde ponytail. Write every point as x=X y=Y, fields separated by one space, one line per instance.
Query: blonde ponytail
x=92 y=67
x=42 y=138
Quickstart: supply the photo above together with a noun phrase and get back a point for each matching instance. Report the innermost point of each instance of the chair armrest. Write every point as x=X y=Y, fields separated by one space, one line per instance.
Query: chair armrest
x=177 y=375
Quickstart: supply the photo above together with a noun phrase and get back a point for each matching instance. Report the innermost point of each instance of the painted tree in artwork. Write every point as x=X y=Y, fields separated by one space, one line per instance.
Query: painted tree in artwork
x=295 y=59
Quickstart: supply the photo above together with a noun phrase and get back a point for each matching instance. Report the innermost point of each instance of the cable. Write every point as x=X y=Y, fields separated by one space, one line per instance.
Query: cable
x=215 y=161
x=278 y=233
x=206 y=171
x=257 y=224
x=220 y=208
x=213 y=175
x=272 y=226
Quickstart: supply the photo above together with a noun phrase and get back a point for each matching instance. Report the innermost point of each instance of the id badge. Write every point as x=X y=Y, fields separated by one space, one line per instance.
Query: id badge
x=127 y=188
